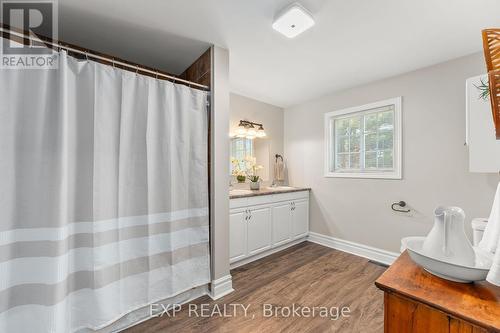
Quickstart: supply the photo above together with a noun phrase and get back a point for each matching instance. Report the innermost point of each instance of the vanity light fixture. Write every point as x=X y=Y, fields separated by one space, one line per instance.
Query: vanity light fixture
x=241 y=131
x=260 y=132
x=251 y=132
x=293 y=21
x=246 y=129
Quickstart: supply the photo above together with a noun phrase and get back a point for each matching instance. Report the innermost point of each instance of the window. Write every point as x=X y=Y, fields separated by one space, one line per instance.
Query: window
x=364 y=141
x=241 y=148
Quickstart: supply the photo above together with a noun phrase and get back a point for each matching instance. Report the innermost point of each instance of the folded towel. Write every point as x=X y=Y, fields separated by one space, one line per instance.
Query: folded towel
x=494 y=273
x=491 y=239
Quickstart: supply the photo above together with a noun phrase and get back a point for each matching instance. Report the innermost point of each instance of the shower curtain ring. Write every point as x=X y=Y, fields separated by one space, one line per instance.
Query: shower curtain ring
x=156 y=75
x=113 y=62
x=86 y=55
x=136 y=69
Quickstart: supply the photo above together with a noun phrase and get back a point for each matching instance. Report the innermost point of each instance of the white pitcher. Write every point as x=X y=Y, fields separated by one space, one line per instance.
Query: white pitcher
x=447 y=240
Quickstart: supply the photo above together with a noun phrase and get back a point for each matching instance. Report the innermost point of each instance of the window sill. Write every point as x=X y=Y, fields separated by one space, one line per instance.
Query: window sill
x=374 y=175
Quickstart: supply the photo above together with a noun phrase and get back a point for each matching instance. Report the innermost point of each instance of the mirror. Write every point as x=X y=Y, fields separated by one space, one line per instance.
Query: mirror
x=257 y=148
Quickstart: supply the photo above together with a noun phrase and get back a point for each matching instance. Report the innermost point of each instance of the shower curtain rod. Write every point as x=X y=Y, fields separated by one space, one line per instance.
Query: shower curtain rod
x=92 y=54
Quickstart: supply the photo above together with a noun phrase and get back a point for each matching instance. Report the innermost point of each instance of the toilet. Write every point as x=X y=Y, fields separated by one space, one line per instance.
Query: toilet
x=478 y=226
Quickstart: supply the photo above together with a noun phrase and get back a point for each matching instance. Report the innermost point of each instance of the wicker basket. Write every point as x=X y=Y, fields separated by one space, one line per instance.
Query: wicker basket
x=491 y=45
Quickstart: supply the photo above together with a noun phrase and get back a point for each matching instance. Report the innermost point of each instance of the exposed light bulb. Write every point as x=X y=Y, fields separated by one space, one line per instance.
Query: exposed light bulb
x=260 y=132
x=241 y=131
x=251 y=131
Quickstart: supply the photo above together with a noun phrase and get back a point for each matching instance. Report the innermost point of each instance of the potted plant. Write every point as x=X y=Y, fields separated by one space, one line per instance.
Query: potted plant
x=484 y=90
x=254 y=182
x=241 y=178
x=239 y=174
x=252 y=169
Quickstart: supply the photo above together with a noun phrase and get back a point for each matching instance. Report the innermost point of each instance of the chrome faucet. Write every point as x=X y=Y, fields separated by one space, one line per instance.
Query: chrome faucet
x=276 y=182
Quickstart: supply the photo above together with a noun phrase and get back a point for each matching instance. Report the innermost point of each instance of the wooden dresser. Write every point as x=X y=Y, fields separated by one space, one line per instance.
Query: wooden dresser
x=417 y=301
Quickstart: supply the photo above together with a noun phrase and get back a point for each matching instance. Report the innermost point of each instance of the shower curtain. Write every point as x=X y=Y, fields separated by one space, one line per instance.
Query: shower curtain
x=103 y=195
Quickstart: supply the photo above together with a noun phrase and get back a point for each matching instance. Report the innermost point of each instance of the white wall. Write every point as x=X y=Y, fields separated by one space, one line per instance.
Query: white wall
x=219 y=199
x=244 y=108
x=435 y=160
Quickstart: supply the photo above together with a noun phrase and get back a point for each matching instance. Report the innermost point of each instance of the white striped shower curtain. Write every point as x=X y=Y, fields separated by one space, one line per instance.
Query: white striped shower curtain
x=103 y=195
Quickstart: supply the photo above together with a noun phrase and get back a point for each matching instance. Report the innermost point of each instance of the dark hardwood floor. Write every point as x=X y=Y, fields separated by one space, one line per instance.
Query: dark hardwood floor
x=307 y=275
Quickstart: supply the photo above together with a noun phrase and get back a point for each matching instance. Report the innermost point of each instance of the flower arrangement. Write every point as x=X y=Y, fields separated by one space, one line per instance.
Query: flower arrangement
x=253 y=179
x=250 y=170
x=237 y=172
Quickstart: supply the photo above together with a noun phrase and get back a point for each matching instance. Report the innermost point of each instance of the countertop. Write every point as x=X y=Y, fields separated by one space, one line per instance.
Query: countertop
x=477 y=303
x=265 y=191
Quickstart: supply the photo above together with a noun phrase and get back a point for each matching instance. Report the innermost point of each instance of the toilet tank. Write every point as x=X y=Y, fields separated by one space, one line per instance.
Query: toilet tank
x=478 y=226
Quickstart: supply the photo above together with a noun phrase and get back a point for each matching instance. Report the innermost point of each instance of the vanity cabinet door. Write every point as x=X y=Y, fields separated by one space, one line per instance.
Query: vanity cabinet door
x=237 y=235
x=259 y=230
x=282 y=218
x=300 y=218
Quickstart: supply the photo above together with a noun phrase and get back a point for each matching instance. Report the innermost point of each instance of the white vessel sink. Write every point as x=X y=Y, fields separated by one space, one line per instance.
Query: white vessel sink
x=446 y=270
x=240 y=192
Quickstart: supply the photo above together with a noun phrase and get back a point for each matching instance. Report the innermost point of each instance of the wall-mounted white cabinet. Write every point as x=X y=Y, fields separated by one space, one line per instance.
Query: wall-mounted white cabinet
x=261 y=225
x=484 y=148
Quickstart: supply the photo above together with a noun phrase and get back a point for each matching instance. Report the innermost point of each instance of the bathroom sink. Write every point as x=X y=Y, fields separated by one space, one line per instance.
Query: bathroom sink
x=240 y=192
x=446 y=270
x=280 y=188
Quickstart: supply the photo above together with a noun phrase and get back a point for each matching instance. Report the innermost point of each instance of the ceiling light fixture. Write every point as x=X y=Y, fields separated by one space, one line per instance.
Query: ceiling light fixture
x=293 y=21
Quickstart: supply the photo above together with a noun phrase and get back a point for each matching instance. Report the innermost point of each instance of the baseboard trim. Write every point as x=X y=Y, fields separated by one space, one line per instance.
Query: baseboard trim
x=365 y=251
x=267 y=253
x=221 y=287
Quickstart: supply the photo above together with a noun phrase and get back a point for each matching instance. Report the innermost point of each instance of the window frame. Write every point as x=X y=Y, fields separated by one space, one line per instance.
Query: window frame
x=231 y=143
x=397 y=172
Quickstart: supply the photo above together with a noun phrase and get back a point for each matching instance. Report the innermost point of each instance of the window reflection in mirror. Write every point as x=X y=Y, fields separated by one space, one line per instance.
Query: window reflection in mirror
x=241 y=148
x=258 y=148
